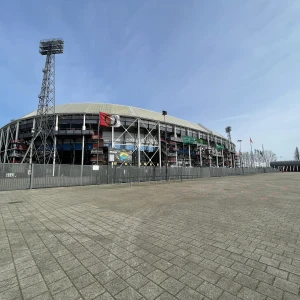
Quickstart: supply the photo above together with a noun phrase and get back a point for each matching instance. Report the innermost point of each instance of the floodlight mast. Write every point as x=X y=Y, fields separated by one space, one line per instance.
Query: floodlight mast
x=43 y=144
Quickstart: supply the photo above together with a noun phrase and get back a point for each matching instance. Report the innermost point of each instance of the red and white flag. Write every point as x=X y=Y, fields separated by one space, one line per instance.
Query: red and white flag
x=108 y=120
x=251 y=141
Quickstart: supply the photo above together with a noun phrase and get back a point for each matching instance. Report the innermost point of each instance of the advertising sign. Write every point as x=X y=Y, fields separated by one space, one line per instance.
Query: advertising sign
x=120 y=156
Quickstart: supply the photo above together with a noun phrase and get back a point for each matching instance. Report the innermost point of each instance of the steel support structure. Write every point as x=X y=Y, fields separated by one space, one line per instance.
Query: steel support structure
x=43 y=142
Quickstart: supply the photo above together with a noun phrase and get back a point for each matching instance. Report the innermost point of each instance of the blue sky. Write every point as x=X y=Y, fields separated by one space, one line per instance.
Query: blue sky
x=218 y=63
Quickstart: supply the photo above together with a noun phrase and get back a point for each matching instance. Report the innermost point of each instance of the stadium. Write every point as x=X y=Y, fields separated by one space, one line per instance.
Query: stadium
x=141 y=138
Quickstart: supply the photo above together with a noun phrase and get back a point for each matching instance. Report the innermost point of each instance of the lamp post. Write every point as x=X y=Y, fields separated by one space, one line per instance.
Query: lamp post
x=164 y=113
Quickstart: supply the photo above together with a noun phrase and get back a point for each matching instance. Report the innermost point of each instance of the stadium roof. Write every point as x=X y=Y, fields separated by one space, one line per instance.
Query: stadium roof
x=123 y=110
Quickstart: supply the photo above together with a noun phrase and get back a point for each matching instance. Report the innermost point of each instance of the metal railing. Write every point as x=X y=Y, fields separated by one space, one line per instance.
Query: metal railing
x=25 y=176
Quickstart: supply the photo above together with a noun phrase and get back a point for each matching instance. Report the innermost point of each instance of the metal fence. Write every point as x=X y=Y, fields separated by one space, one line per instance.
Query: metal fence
x=25 y=176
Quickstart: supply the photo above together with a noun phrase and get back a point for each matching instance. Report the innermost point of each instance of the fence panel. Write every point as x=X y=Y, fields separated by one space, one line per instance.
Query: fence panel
x=21 y=176
x=14 y=177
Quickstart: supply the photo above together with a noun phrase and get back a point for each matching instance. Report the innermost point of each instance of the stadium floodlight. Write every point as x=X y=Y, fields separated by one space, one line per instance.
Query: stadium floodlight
x=44 y=151
x=52 y=46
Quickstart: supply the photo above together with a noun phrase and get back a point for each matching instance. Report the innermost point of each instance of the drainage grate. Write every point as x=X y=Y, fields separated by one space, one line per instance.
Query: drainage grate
x=15 y=202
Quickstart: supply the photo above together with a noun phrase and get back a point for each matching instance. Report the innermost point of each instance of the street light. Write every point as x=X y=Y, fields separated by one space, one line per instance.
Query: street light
x=164 y=113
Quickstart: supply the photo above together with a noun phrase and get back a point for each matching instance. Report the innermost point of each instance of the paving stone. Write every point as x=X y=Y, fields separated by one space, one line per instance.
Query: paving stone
x=105 y=296
x=81 y=238
x=34 y=290
x=126 y=272
x=193 y=268
x=92 y=291
x=263 y=276
x=227 y=272
x=150 y=291
x=97 y=268
x=256 y=265
x=166 y=296
x=248 y=294
x=175 y=272
x=157 y=276
x=287 y=285
x=128 y=293
x=294 y=278
x=84 y=280
x=106 y=276
x=162 y=264
x=209 y=290
x=246 y=281
x=43 y=296
x=30 y=280
x=59 y=285
x=145 y=268
x=115 y=286
x=172 y=285
x=137 y=280
x=10 y=294
x=68 y=294
x=227 y=296
x=289 y=296
x=242 y=268
x=269 y=261
x=229 y=285
x=189 y=294
x=209 y=276
x=270 y=291
x=8 y=284
x=191 y=280
x=277 y=272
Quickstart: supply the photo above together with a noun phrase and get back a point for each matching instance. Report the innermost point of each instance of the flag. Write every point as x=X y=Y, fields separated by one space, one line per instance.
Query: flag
x=251 y=141
x=107 y=120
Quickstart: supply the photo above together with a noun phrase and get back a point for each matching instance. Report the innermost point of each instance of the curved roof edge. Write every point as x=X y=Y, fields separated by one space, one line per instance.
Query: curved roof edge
x=124 y=110
x=285 y=163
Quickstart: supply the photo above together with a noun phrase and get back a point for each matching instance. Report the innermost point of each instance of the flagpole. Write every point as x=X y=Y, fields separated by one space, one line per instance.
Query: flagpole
x=251 y=153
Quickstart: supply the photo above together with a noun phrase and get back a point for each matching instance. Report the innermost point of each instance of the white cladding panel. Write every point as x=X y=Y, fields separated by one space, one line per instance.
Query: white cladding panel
x=121 y=137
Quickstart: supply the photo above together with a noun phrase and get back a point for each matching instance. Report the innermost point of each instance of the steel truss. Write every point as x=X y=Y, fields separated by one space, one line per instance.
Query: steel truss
x=7 y=134
x=140 y=143
x=43 y=144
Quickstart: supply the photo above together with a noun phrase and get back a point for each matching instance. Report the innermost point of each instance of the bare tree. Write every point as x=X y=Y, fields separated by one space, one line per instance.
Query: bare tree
x=296 y=155
x=269 y=156
x=246 y=159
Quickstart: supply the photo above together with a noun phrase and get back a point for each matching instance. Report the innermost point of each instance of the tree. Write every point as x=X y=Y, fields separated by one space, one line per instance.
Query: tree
x=269 y=156
x=296 y=155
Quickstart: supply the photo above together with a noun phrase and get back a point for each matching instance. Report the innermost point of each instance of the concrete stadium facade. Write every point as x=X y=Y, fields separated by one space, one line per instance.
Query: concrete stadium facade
x=142 y=134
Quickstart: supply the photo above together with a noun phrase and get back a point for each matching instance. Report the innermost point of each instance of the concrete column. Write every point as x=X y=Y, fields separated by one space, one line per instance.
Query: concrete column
x=54 y=146
x=6 y=143
x=190 y=161
x=208 y=144
x=139 y=144
x=159 y=145
x=16 y=137
x=217 y=160
x=1 y=138
x=200 y=153
x=83 y=141
x=32 y=142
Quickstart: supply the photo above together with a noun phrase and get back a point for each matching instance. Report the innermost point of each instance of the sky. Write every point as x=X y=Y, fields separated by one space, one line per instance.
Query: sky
x=219 y=63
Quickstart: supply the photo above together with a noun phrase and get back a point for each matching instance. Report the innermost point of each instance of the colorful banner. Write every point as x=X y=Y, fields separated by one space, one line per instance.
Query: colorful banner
x=120 y=156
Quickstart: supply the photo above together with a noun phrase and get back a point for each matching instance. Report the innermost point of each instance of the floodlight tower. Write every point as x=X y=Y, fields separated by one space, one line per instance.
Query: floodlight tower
x=44 y=150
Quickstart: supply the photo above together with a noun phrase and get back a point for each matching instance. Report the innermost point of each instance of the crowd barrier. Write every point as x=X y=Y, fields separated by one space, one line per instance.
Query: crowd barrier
x=25 y=176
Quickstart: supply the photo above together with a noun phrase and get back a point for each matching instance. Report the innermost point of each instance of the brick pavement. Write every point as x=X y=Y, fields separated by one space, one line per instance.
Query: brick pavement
x=217 y=238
